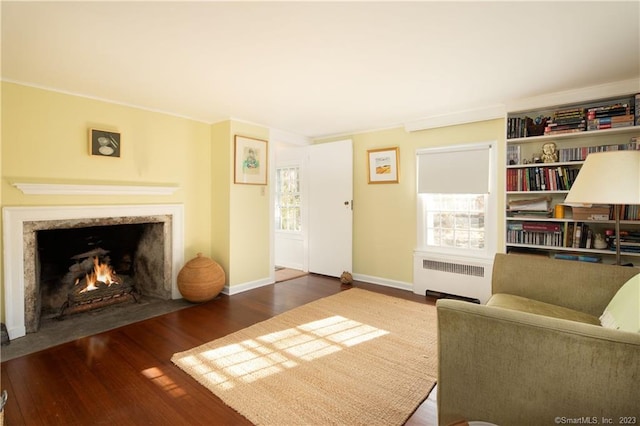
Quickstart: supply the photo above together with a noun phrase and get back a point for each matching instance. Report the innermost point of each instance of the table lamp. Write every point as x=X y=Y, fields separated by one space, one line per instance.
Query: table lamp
x=611 y=177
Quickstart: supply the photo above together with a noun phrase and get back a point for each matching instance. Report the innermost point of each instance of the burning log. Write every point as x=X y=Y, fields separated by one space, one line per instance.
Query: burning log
x=100 y=286
x=102 y=273
x=102 y=296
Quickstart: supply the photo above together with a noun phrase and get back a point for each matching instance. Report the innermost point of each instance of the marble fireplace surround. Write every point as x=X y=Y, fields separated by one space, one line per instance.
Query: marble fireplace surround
x=19 y=229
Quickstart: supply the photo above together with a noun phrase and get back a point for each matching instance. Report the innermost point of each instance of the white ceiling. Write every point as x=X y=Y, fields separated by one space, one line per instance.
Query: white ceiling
x=317 y=68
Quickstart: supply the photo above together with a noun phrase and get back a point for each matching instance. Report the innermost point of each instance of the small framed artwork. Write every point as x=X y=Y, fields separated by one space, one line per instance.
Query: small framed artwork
x=383 y=165
x=250 y=159
x=104 y=143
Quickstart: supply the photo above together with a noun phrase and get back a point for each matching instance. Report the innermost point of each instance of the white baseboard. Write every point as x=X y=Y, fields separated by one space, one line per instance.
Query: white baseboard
x=240 y=288
x=383 y=281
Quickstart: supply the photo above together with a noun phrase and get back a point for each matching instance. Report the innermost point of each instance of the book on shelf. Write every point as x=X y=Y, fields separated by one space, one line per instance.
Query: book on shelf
x=513 y=154
x=580 y=153
x=598 y=125
x=578 y=257
x=562 y=132
x=542 y=227
x=516 y=127
x=543 y=178
x=531 y=204
x=531 y=214
x=568 y=120
x=629 y=240
x=536 y=238
x=637 y=109
x=569 y=112
x=582 y=236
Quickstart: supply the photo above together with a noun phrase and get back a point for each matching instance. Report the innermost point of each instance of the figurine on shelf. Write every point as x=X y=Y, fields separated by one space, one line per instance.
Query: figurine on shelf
x=549 y=153
x=600 y=242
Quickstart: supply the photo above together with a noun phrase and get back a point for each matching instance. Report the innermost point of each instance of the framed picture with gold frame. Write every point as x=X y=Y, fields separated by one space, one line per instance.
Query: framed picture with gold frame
x=383 y=165
x=250 y=161
x=103 y=143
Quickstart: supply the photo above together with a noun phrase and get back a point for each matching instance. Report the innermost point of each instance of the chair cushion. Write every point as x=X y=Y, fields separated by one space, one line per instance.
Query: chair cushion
x=518 y=303
x=623 y=311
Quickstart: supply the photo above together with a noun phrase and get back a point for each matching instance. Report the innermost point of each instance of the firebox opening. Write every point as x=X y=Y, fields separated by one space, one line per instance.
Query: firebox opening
x=87 y=268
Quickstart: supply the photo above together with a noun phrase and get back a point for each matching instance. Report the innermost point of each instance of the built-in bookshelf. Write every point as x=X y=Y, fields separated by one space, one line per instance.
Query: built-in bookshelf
x=546 y=148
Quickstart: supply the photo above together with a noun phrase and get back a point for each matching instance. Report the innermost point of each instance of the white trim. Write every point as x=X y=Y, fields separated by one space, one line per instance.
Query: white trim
x=603 y=91
x=383 y=282
x=241 y=288
x=84 y=189
x=13 y=238
x=460 y=117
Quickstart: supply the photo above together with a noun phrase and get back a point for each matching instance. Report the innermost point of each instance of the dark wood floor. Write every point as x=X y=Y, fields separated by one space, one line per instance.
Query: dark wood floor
x=125 y=376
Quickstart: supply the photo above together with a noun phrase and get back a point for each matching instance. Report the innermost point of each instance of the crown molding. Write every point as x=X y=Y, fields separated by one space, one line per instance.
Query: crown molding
x=602 y=91
x=461 y=117
x=82 y=189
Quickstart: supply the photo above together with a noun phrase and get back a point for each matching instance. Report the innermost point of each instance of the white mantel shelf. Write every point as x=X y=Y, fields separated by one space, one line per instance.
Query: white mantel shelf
x=81 y=189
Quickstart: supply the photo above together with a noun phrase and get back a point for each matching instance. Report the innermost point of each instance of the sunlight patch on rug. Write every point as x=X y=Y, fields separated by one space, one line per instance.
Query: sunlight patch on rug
x=357 y=357
x=252 y=360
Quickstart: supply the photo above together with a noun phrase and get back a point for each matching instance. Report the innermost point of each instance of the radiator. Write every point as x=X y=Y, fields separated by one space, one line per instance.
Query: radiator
x=454 y=276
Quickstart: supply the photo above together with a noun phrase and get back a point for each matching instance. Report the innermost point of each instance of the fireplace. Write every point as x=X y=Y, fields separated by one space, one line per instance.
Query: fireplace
x=81 y=268
x=51 y=254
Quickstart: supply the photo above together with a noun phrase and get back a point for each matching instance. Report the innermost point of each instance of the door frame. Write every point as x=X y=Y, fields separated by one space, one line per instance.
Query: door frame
x=281 y=140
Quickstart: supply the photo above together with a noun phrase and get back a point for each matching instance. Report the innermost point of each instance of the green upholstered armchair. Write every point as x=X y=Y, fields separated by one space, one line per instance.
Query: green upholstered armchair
x=536 y=354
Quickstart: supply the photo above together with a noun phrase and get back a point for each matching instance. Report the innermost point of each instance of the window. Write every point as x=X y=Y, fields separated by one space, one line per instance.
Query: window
x=288 y=199
x=457 y=200
x=455 y=220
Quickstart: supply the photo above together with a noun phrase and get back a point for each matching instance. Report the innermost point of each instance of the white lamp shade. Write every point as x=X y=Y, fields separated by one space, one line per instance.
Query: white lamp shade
x=611 y=177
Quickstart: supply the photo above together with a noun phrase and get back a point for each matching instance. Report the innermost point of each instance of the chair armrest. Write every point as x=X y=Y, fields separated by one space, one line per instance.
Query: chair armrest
x=582 y=286
x=509 y=367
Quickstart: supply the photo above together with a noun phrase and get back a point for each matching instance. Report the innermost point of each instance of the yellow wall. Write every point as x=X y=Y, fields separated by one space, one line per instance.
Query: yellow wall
x=221 y=178
x=384 y=215
x=45 y=139
x=1 y=232
x=240 y=228
x=249 y=211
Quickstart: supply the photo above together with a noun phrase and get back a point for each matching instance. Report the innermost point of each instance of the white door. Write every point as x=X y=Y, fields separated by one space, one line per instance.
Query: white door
x=330 y=177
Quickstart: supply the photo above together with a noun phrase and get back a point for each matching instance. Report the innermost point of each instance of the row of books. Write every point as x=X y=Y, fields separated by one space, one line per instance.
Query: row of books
x=610 y=116
x=607 y=116
x=628 y=212
x=516 y=127
x=580 y=153
x=629 y=241
x=558 y=178
x=550 y=239
x=566 y=121
x=541 y=208
x=615 y=113
x=567 y=234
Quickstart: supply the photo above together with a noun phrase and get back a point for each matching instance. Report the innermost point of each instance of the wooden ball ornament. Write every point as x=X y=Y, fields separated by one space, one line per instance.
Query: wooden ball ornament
x=200 y=279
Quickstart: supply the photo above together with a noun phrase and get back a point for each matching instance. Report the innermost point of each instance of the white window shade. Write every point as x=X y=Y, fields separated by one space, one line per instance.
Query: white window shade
x=454 y=170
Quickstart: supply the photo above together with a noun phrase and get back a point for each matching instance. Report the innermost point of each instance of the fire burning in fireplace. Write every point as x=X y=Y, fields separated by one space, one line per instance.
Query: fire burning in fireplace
x=95 y=283
x=102 y=273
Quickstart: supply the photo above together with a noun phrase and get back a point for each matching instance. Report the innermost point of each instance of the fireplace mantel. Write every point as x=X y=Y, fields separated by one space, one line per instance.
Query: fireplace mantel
x=15 y=219
x=28 y=188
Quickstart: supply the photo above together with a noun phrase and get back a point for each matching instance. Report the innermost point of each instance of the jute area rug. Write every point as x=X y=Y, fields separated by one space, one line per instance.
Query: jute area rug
x=354 y=358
